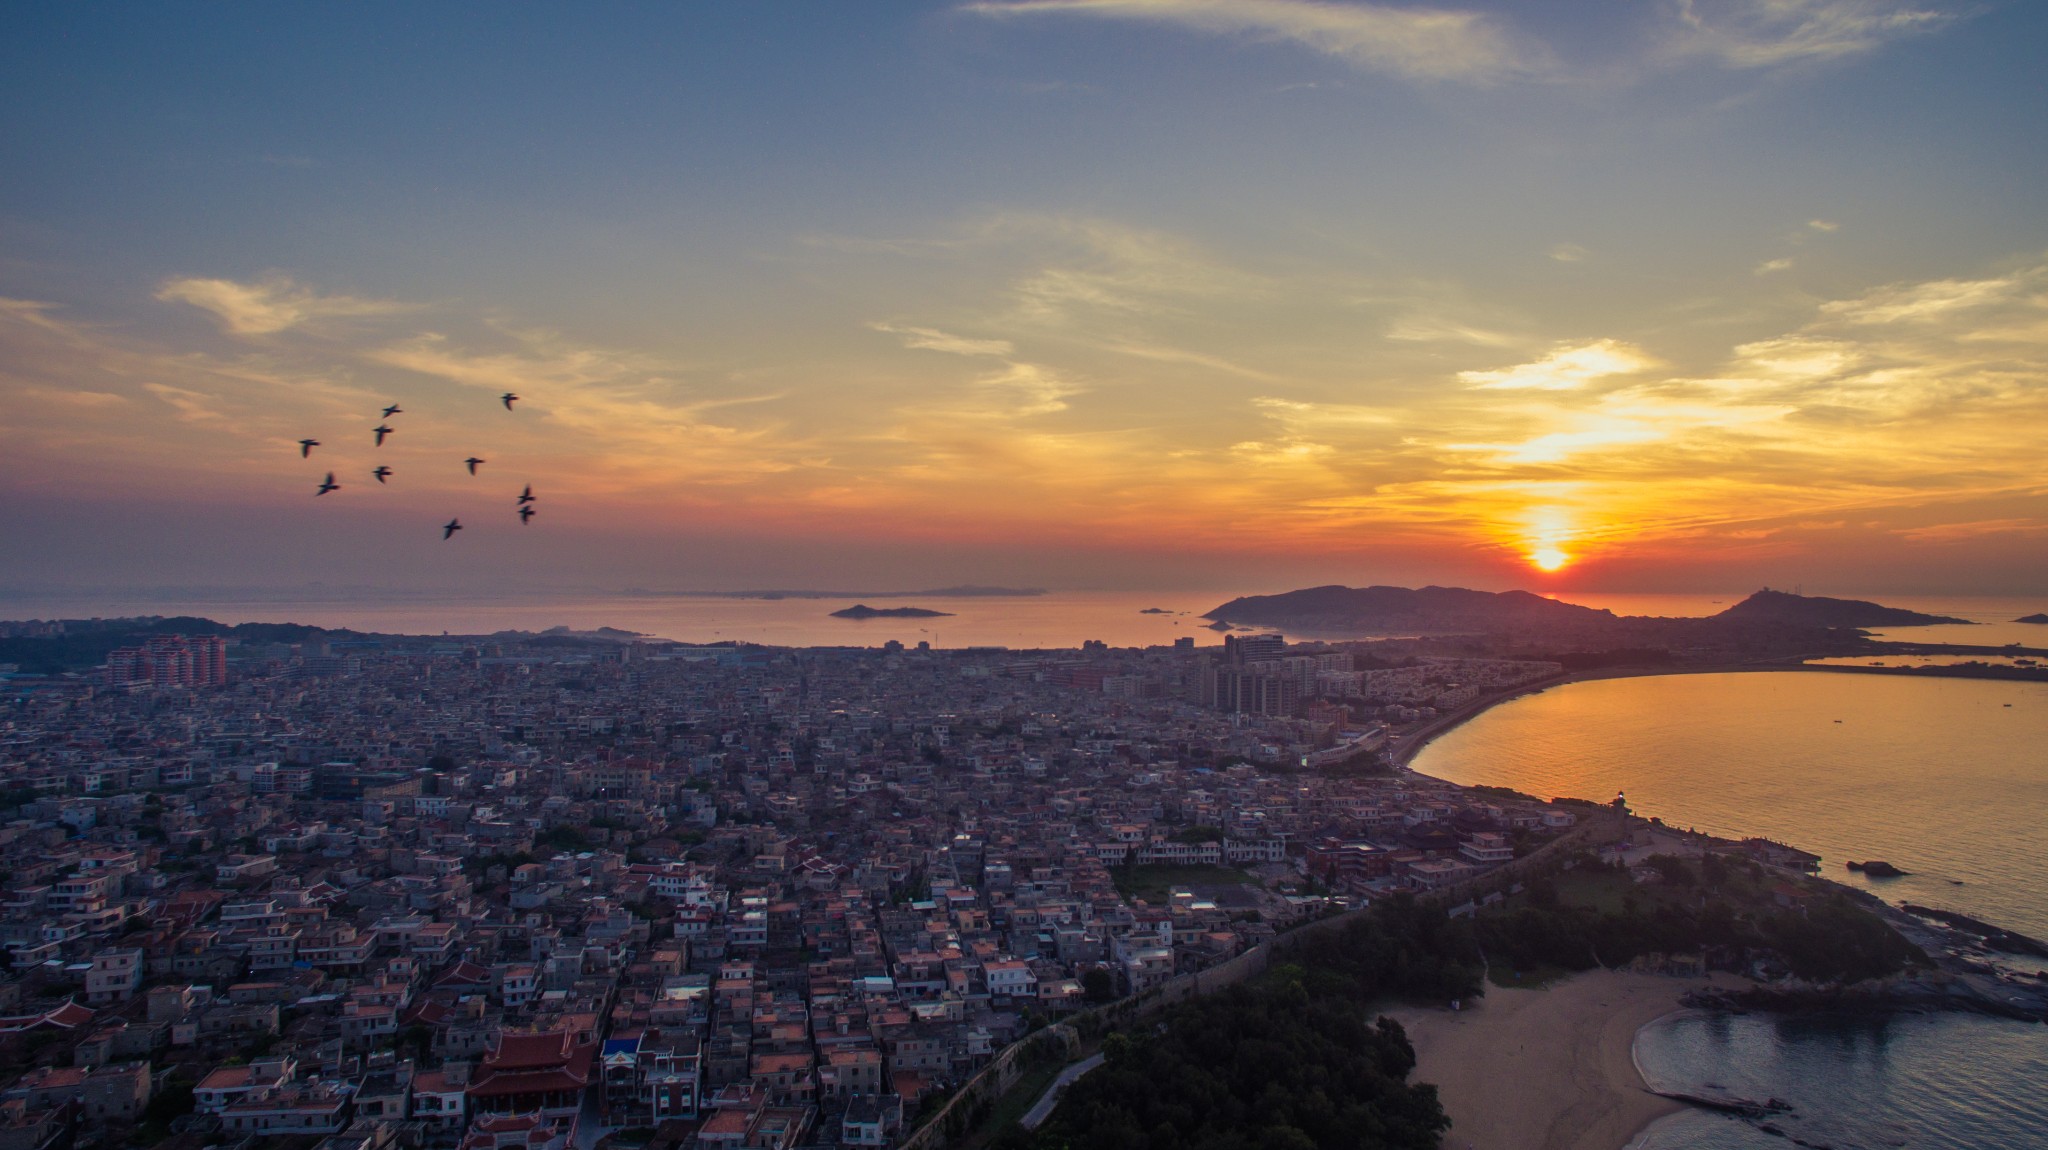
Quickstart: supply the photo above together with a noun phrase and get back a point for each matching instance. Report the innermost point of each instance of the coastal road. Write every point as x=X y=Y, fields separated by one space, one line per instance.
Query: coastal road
x=1042 y=1109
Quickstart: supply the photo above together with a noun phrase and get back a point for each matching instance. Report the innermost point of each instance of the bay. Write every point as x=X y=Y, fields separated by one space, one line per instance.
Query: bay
x=1944 y=778
x=1945 y=1081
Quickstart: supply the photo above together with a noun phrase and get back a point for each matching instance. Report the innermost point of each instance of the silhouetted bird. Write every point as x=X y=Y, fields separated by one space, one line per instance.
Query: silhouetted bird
x=508 y=399
x=382 y=431
x=472 y=461
x=306 y=447
x=380 y=473
x=448 y=531
x=328 y=485
x=394 y=409
x=527 y=495
x=525 y=513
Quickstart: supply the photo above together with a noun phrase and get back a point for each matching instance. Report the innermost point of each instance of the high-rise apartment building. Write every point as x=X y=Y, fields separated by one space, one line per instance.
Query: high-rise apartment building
x=171 y=661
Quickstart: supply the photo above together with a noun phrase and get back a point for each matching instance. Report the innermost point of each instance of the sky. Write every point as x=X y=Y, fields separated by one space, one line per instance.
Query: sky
x=1620 y=295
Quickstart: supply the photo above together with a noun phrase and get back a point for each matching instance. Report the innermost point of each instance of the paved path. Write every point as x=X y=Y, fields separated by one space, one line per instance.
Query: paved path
x=1042 y=1109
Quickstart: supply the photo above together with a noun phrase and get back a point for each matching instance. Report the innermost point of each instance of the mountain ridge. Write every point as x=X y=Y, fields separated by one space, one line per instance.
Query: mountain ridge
x=1433 y=608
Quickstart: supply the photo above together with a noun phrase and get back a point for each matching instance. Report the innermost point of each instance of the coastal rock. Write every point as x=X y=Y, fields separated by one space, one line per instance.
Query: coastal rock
x=2036 y=617
x=1997 y=938
x=1878 y=868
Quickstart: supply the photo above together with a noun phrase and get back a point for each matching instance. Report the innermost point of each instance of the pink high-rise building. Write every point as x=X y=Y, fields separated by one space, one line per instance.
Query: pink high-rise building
x=171 y=661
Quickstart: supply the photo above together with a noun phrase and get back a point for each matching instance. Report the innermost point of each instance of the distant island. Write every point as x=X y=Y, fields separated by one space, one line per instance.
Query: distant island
x=1164 y=611
x=1421 y=609
x=1768 y=606
x=1438 y=610
x=965 y=591
x=2036 y=617
x=863 y=611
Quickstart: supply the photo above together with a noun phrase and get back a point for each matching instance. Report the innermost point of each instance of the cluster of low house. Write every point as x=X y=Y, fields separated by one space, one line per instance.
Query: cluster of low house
x=499 y=897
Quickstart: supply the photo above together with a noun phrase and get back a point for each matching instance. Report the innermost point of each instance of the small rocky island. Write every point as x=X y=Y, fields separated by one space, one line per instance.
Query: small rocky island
x=2036 y=617
x=863 y=611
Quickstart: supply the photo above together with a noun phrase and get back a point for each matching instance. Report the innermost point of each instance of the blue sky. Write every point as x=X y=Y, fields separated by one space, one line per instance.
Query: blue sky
x=1670 y=293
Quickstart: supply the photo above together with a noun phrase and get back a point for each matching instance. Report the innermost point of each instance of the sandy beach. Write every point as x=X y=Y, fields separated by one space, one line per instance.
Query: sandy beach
x=1547 y=1069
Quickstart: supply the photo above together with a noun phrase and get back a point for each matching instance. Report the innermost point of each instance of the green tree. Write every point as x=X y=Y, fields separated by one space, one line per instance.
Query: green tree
x=1098 y=985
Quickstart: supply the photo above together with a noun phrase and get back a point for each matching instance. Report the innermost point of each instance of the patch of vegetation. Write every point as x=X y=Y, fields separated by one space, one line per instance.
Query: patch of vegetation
x=1155 y=883
x=1618 y=657
x=1296 y=1060
x=1508 y=977
x=1597 y=915
x=563 y=837
x=1000 y=1128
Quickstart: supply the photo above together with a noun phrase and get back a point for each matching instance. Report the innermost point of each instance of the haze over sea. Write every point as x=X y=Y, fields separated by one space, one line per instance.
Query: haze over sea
x=1054 y=619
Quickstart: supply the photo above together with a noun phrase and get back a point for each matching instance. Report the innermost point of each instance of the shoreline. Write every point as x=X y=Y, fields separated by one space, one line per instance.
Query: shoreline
x=1412 y=743
x=1588 y=1090
x=1550 y=1068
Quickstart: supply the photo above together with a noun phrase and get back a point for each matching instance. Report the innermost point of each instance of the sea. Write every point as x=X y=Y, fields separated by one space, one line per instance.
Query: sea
x=1054 y=619
x=1944 y=778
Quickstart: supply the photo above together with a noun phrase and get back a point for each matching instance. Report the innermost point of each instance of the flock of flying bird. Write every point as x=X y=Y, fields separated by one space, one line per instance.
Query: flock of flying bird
x=448 y=530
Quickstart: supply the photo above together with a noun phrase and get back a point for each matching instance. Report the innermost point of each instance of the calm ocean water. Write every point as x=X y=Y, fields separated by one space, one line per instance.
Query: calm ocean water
x=1057 y=619
x=1944 y=1080
x=1945 y=778
x=1052 y=620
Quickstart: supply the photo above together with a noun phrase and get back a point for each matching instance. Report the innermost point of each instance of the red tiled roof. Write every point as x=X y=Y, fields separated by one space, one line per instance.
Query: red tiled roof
x=534 y=1063
x=69 y=1016
x=525 y=1051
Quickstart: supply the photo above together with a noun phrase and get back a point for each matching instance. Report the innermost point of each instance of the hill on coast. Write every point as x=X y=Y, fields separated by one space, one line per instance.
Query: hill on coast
x=1768 y=606
x=1420 y=609
x=1456 y=609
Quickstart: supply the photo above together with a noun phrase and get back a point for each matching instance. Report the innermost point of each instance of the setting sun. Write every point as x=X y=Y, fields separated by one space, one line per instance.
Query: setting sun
x=1549 y=558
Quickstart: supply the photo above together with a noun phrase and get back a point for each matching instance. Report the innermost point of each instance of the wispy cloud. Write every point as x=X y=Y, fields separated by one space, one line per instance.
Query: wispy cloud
x=1770 y=33
x=268 y=306
x=1975 y=529
x=1938 y=299
x=1416 y=43
x=932 y=339
x=190 y=405
x=1568 y=368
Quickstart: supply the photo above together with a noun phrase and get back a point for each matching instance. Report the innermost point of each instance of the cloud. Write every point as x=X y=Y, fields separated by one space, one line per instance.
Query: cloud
x=1026 y=389
x=1977 y=529
x=1936 y=299
x=1770 y=33
x=190 y=405
x=1769 y=267
x=1569 y=253
x=931 y=339
x=1159 y=354
x=73 y=398
x=1823 y=225
x=1565 y=369
x=1415 y=43
x=268 y=306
